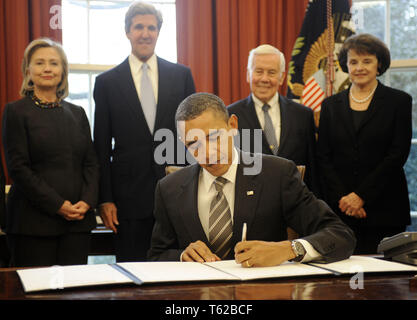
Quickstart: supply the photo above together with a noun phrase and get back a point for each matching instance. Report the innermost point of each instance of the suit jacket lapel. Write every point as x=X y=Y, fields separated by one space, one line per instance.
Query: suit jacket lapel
x=189 y=206
x=347 y=114
x=285 y=118
x=251 y=117
x=377 y=99
x=247 y=193
x=164 y=82
x=128 y=89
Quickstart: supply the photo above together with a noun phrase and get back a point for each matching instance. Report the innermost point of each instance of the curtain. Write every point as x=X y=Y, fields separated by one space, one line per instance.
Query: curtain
x=22 y=21
x=215 y=36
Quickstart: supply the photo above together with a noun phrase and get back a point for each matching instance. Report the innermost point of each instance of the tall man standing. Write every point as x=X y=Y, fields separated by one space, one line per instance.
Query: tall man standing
x=288 y=128
x=134 y=100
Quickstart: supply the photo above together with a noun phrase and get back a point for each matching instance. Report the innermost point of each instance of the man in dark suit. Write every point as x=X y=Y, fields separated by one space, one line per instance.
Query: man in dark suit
x=200 y=210
x=288 y=128
x=134 y=100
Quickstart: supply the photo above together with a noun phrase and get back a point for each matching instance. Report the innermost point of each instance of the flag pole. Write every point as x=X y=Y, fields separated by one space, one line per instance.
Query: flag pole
x=330 y=50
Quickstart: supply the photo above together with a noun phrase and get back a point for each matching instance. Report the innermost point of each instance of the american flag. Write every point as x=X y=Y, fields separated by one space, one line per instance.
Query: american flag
x=313 y=94
x=314 y=71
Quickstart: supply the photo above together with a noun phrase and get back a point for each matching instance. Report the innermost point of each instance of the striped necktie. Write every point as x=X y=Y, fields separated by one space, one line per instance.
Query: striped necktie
x=147 y=98
x=269 y=130
x=220 y=221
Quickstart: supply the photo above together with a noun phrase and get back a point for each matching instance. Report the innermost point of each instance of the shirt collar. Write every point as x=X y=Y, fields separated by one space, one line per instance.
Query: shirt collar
x=273 y=102
x=230 y=175
x=136 y=64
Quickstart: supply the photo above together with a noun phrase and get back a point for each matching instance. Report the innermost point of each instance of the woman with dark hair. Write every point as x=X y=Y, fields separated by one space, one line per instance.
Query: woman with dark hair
x=52 y=162
x=363 y=143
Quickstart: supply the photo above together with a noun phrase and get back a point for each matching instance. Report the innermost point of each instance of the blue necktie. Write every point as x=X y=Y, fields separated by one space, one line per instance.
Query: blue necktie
x=269 y=130
x=147 y=98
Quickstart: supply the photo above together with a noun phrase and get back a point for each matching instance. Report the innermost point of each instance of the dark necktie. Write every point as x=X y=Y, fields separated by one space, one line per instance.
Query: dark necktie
x=269 y=130
x=220 y=221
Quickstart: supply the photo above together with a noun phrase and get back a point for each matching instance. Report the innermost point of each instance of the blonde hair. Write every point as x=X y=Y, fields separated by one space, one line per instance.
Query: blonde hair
x=27 y=84
x=266 y=49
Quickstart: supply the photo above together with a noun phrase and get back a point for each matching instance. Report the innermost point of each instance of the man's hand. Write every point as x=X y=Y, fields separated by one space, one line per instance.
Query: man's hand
x=70 y=212
x=263 y=253
x=199 y=252
x=352 y=205
x=108 y=213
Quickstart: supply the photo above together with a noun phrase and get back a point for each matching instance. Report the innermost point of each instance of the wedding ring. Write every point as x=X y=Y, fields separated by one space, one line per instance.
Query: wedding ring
x=247 y=264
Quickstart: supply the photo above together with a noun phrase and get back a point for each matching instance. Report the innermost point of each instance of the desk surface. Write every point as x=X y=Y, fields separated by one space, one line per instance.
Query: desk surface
x=375 y=287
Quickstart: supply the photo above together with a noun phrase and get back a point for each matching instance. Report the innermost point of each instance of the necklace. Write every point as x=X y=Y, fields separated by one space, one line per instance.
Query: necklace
x=43 y=104
x=362 y=100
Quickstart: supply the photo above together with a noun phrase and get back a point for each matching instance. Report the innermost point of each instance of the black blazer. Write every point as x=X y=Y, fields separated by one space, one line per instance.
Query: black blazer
x=128 y=170
x=297 y=140
x=50 y=158
x=368 y=161
x=279 y=199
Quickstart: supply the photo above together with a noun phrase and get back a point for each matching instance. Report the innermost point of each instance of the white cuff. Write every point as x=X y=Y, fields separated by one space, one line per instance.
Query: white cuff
x=311 y=253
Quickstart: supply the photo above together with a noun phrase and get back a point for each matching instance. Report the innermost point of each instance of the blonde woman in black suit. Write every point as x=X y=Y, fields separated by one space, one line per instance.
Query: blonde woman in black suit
x=52 y=163
x=364 y=141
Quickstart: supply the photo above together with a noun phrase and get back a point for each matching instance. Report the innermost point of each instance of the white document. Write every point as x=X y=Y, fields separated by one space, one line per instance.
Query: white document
x=60 y=277
x=57 y=277
x=366 y=264
x=174 y=271
x=219 y=270
x=287 y=269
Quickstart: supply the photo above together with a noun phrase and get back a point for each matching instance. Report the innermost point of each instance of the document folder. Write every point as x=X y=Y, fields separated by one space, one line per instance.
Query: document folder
x=141 y=273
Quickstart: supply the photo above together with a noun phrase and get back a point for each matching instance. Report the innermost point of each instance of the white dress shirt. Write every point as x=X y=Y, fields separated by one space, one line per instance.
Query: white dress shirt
x=207 y=191
x=274 y=113
x=136 y=70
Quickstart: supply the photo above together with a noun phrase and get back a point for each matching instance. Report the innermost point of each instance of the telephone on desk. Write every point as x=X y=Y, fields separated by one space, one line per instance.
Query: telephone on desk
x=402 y=247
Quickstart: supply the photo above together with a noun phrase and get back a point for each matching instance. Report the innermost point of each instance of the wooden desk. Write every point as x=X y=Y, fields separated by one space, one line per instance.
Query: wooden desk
x=375 y=287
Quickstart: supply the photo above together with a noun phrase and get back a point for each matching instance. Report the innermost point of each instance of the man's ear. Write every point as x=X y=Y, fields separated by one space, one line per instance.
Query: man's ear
x=233 y=122
x=281 y=80
x=248 y=76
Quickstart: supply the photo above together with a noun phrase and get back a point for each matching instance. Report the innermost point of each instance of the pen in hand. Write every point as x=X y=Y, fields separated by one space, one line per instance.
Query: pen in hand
x=244 y=231
x=238 y=252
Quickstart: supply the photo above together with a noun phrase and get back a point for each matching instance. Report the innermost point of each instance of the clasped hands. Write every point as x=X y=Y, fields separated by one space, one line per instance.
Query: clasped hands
x=247 y=253
x=72 y=212
x=352 y=205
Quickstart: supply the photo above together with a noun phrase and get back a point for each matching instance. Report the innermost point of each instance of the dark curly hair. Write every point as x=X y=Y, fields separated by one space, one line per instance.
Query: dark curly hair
x=365 y=43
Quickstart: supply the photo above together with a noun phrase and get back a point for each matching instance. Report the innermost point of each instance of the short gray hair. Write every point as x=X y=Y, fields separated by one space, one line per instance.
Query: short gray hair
x=195 y=104
x=142 y=8
x=266 y=49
